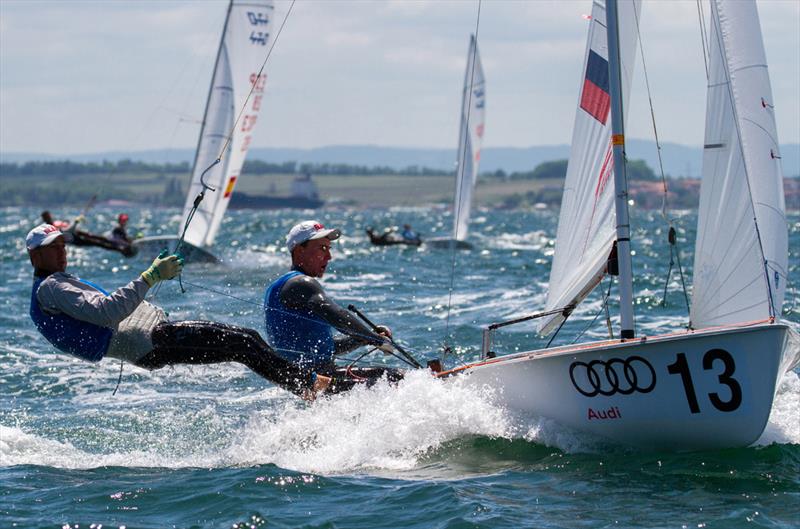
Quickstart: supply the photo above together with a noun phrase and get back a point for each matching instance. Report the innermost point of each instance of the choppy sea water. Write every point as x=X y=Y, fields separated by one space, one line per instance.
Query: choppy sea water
x=217 y=446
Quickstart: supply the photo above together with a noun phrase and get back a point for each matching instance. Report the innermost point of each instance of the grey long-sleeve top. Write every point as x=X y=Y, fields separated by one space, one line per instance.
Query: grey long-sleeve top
x=124 y=311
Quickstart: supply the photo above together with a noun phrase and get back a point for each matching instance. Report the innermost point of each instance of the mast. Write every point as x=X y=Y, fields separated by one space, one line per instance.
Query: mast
x=620 y=177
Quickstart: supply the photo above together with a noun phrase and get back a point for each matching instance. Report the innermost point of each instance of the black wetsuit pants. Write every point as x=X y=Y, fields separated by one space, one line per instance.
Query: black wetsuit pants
x=208 y=342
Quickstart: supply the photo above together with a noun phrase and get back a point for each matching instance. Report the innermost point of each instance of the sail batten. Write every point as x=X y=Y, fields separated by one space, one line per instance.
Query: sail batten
x=243 y=47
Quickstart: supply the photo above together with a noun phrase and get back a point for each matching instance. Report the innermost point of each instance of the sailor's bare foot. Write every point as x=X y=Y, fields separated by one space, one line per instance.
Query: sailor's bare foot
x=321 y=383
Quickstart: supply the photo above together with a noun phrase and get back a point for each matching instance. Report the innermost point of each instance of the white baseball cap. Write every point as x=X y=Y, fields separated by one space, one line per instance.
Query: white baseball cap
x=308 y=230
x=41 y=235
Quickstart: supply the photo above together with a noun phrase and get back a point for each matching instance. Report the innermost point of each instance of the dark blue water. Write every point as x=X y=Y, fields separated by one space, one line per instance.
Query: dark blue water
x=216 y=446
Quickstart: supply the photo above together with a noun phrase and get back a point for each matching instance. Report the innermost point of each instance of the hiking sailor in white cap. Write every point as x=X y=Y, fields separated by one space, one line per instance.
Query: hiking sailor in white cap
x=80 y=318
x=301 y=319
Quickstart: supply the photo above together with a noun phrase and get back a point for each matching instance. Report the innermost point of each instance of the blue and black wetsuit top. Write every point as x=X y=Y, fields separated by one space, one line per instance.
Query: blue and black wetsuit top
x=410 y=235
x=297 y=335
x=78 y=338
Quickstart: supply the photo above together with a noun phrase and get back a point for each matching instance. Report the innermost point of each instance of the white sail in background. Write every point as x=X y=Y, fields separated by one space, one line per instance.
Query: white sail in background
x=243 y=48
x=741 y=223
x=586 y=229
x=473 y=112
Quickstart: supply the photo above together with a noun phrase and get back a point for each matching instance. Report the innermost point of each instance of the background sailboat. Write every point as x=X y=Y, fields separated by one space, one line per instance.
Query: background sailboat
x=245 y=40
x=713 y=385
x=470 y=138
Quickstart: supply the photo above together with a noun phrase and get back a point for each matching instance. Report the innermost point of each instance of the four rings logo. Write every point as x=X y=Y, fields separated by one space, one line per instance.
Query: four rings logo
x=615 y=375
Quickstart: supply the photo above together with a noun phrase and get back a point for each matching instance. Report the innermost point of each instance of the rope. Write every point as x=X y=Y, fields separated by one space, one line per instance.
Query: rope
x=104 y=183
x=604 y=308
x=462 y=155
x=253 y=84
x=119 y=378
x=672 y=237
x=664 y=198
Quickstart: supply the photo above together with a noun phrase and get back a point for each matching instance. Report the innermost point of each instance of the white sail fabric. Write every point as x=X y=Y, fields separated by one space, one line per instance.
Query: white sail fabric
x=470 y=137
x=586 y=229
x=245 y=41
x=741 y=223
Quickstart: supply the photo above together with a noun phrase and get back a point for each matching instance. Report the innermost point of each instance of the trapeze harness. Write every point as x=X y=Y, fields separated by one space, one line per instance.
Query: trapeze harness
x=85 y=340
x=296 y=335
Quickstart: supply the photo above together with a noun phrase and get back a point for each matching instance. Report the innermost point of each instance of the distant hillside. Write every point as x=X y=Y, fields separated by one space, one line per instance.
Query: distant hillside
x=679 y=160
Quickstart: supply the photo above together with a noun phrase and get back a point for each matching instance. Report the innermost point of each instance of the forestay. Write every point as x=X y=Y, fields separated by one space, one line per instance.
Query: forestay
x=741 y=253
x=473 y=112
x=245 y=41
x=586 y=229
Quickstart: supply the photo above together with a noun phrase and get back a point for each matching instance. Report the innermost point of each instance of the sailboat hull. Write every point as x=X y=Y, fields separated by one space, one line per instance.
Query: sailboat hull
x=151 y=246
x=448 y=244
x=693 y=391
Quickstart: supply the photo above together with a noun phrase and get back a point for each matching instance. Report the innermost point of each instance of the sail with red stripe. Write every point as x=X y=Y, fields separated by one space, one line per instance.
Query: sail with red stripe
x=586 y=225
x=246 y=38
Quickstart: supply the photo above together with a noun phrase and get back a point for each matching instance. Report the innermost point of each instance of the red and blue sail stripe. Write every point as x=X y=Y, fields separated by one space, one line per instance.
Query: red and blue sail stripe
x=595 y=98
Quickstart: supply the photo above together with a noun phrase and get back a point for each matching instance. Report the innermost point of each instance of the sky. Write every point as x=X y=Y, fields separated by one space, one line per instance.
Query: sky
x=94 y=76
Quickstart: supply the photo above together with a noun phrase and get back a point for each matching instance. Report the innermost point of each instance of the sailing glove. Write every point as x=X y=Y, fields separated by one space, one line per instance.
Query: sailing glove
x=383 y=330
x=72 y=227
x=165 y=266
x=387 y=347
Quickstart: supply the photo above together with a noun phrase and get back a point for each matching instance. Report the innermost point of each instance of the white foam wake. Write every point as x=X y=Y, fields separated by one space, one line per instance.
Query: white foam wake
x=382 y=427
x=783 y=425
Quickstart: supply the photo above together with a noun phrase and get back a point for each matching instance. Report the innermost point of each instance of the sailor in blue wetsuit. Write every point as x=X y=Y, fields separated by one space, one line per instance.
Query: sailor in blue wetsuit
x=80 y=318
x=409 y=234
x=301 y=319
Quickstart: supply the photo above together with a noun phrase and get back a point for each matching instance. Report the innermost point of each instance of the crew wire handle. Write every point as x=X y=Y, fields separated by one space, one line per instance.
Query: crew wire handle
x=352 y=308
x=189 y=217
x=197 y=200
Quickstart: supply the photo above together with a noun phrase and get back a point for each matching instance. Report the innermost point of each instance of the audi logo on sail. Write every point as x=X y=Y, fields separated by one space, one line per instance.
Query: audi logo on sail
x=612 y=376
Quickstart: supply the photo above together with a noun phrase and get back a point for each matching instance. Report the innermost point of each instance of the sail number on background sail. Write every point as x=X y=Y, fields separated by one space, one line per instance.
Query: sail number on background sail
x=243 y=47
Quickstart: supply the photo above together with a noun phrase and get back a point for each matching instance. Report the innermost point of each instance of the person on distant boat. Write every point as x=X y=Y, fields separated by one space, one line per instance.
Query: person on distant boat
x=301 y=319
x=409 y=234
x=119 y=234
x=78 y=317
x=391 y=236
x=76 y=237
x=62 y=225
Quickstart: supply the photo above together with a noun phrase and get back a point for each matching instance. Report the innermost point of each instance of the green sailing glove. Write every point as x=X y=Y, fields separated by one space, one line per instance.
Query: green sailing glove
x=164 y=267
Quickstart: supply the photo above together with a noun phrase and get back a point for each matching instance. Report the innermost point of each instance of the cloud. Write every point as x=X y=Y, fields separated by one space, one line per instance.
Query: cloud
x=353 y=72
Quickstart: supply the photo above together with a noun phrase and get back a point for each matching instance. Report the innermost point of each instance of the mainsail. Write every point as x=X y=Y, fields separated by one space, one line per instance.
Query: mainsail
x=741 y=253
x=473 y=112
x=586 y=230
x=244 y=44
